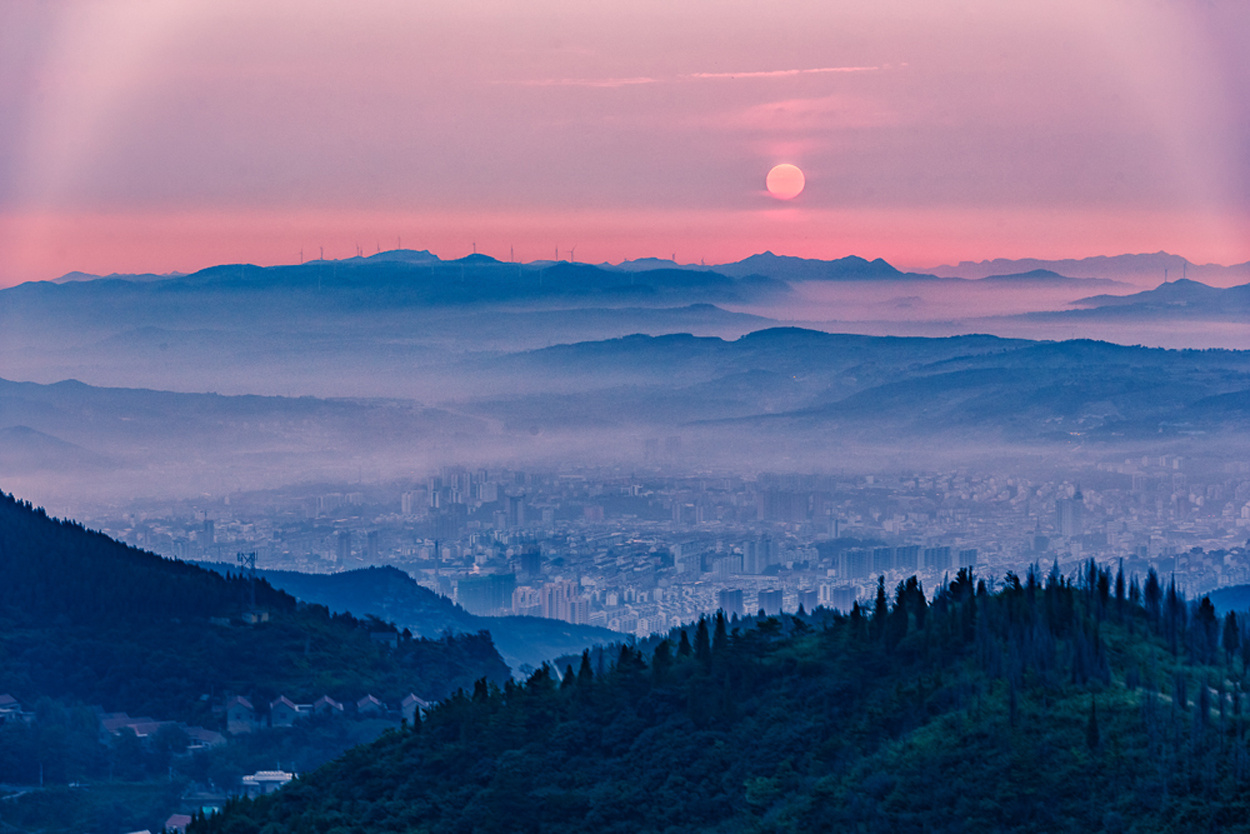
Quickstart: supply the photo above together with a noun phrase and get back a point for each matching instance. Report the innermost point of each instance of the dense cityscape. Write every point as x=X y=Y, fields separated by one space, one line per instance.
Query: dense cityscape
x=641 y=551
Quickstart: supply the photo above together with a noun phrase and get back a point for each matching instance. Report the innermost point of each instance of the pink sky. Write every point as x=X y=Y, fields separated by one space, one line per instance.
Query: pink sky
x=141 y=136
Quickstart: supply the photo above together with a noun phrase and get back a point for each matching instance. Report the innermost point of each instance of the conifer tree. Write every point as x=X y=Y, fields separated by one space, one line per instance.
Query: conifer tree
x=1205 y=631
x=702 y=644
x=880 y=609
x=662 y=659
x=1152 y=597
x=585 y=674
x=1231 y=637
x=683 y=645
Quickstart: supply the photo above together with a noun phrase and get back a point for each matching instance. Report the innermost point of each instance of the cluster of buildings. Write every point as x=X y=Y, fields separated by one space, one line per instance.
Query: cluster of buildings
x=242 y=717
x=638 y=551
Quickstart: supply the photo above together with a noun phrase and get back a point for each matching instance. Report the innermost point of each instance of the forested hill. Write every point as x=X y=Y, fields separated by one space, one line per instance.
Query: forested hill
x=1051 y=704
x=88 y=618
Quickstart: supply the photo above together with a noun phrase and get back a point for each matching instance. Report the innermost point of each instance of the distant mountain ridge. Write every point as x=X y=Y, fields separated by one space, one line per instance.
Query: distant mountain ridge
x=792 y=269
x=1173 y=296
x=1140 y=266
x=71 y=277
x=800 y=385
x=1047 y=277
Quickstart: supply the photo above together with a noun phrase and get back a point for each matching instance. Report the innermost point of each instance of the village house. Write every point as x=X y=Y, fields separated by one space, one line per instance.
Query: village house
x=411 y=706
x=325 y=705
x=177 y=823
x=265 y=782
x=11 y=711
x=240 y=716
x=283 y=711
x=370 y=705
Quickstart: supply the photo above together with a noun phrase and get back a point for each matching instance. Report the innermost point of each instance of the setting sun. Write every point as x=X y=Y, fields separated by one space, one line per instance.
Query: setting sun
x=785 y=181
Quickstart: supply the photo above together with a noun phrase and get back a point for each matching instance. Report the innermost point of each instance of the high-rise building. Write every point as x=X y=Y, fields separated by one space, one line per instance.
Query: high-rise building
x=531 y=561
x=1069 y=516
x=937 y=558
x=555 y=599
x=343 y=545
x=841 y=597
x=770 y=601
x=907 y=557
x=856 y=563
x=882 y=559
x=727 y=566
x=371 y=546
x=579 y=610
x=516 y=510
x=729 y=601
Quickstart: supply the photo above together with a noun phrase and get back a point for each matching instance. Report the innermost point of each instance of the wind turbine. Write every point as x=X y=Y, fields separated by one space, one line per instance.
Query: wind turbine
x=571 y=253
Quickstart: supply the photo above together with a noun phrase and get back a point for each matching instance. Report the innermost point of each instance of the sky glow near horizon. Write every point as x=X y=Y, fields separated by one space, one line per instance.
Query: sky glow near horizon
x=150 y=136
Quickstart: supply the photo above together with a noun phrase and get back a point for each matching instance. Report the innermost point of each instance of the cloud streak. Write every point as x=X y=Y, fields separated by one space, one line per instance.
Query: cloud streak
x=786 y=73
x=695 y=76
x=584 y=82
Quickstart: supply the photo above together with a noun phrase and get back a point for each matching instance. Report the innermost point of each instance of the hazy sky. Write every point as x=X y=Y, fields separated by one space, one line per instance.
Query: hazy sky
x=156 y=136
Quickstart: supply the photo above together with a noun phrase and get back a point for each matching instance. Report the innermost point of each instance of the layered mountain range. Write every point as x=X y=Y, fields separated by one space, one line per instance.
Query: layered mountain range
x=779 y=388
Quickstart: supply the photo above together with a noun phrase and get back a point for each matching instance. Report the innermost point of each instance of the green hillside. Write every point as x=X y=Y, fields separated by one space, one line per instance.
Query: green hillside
x=1050 y=704
x=88 y=619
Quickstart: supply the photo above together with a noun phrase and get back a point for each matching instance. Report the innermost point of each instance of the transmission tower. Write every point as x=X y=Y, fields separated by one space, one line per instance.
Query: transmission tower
x=248 y=561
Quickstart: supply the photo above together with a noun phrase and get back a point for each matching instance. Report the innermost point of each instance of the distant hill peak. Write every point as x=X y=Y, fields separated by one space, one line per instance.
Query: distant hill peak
x=1032 y=274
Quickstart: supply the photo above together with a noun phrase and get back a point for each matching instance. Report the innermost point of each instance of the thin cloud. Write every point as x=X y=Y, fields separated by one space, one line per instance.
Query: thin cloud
x=779 y=73
x=698 y=76
x=584 y=82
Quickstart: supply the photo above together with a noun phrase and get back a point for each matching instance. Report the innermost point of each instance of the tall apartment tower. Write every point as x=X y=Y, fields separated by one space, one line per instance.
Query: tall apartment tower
x=1069 y=515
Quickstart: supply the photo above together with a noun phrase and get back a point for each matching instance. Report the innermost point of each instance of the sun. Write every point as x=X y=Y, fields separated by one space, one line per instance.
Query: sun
x=785 y=181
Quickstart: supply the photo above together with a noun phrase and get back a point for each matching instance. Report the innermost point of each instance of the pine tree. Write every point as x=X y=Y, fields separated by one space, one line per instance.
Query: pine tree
x=662 y=660
x=585 y=674
x=1152 y=596
x=1205 y=632
x=1231 y=637
x=683 y=645
x=720 y=638
x=702 y=644
x=880 y=609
